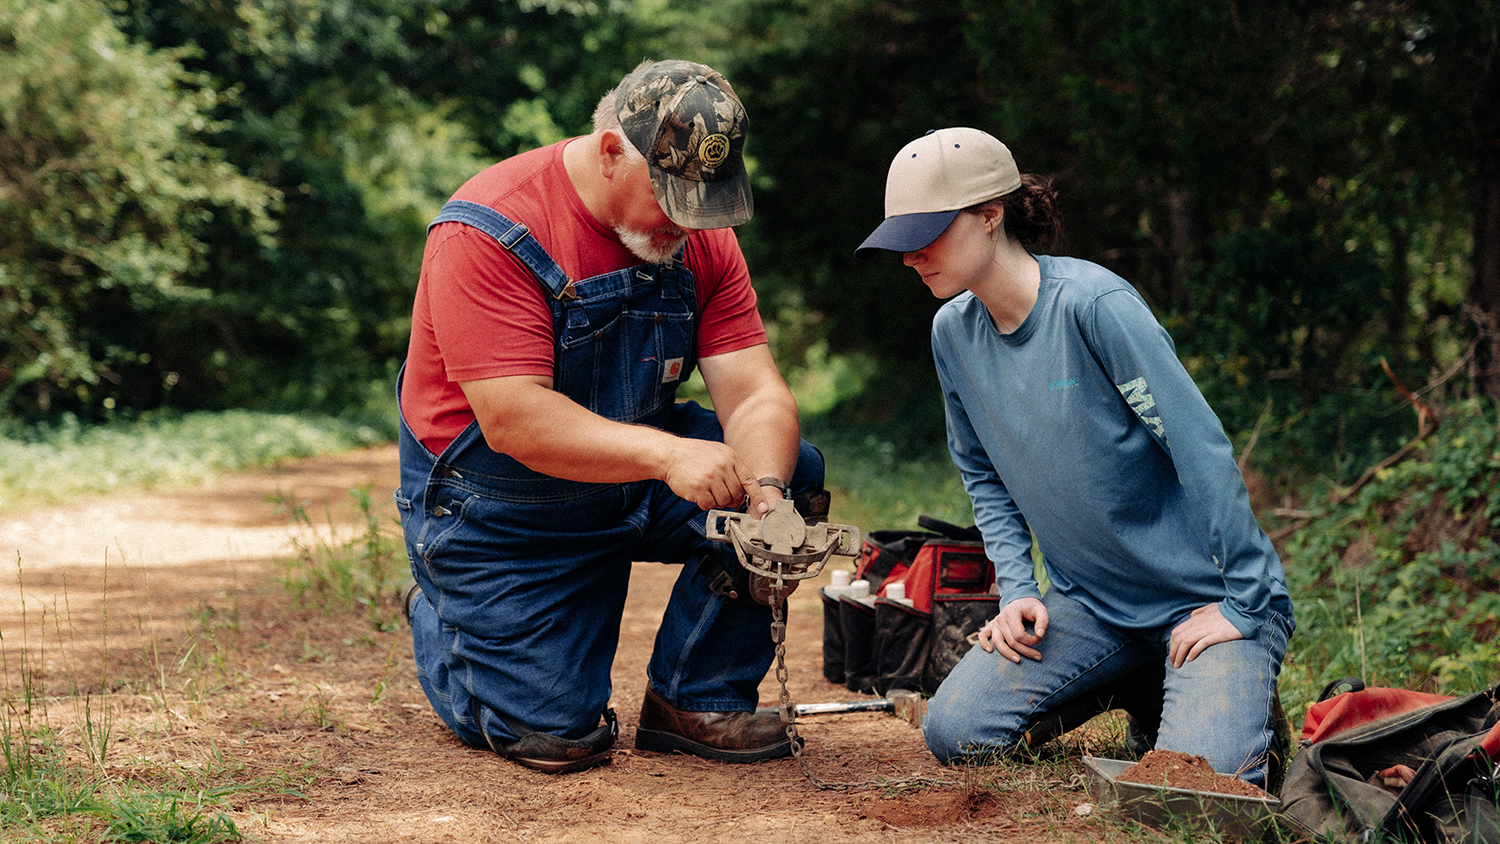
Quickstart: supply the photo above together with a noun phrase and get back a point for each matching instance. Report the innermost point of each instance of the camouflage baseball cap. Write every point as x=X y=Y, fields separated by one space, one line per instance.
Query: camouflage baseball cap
x=691 y=127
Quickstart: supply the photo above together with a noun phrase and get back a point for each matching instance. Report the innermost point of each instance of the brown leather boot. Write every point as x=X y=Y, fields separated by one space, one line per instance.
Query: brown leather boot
x=720 y=736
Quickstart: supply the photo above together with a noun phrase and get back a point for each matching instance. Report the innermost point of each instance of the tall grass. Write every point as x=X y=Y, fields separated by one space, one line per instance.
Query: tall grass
x=54 y=782
x=340 y=573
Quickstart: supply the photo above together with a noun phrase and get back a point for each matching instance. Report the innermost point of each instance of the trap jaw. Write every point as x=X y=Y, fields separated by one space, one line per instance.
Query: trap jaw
x=782 y=546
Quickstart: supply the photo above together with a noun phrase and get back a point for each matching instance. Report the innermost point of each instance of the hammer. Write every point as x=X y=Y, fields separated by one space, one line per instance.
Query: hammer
x=906 y=705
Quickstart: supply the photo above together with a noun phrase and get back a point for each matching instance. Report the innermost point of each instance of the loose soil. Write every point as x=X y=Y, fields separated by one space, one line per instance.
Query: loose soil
x=162 y=614
x=1183 y=770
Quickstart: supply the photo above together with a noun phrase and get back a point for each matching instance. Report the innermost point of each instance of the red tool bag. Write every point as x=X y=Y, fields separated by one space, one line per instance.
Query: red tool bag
x=1378 y=764
x=880 y=643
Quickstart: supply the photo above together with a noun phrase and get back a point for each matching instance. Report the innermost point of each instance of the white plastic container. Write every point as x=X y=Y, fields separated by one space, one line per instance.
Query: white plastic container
x=897 y=592
x=841 y=584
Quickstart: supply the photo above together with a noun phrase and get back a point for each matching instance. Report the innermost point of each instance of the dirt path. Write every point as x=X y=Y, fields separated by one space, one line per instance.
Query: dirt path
x=214 y=672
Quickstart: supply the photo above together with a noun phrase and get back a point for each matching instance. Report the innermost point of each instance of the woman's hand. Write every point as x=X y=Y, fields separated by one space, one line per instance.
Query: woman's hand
x=1008 y=631
x=1204 y=628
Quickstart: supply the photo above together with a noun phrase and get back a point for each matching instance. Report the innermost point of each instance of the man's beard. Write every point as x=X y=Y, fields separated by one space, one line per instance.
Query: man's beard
x=648 y=248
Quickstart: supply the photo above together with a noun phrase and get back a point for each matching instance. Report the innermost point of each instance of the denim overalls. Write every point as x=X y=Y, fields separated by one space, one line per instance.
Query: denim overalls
x=524 y=575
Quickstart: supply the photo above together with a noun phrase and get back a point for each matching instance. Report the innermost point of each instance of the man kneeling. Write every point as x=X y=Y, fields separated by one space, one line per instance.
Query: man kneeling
x=565 y=294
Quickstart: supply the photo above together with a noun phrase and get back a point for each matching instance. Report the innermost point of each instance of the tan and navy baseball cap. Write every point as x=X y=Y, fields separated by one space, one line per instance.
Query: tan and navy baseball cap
x=933 y=178
x=691 y=127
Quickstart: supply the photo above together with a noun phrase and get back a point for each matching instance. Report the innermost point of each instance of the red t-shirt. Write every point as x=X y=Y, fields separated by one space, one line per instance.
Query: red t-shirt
x=479 y=313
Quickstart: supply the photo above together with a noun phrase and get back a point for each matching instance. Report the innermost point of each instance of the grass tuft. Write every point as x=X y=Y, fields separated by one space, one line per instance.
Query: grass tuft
x=340 y=573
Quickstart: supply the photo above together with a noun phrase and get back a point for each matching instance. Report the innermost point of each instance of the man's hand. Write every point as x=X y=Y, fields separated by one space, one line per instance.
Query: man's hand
x=711 y=475
x=1007 y=631
x=1204 y=628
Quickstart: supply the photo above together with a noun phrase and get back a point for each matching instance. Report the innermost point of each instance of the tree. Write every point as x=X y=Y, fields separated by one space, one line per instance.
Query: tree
x=1279 y=180
x=1453 y=49
x=311 y=317
x=1270 y=176
x=368 y=115
x=106 y=186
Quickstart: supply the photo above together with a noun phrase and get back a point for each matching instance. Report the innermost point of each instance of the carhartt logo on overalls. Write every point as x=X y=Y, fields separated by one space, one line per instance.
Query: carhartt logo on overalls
x=672 y=372
x=714 y=150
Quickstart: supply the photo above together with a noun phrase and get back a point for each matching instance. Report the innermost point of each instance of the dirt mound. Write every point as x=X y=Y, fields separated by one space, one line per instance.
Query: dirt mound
x=1182 y=770
x=936 y=808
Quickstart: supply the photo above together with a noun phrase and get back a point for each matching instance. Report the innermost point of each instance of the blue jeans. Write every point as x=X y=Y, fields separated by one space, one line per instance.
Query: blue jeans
x=524 y=583
x=1218 y=706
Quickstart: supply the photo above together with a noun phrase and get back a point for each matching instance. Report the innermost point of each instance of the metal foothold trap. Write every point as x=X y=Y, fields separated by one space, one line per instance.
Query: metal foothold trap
x=781 y=545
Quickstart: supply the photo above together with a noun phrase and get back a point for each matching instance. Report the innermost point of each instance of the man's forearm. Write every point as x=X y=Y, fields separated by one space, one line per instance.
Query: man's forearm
x=550 y=433
x=765 y=432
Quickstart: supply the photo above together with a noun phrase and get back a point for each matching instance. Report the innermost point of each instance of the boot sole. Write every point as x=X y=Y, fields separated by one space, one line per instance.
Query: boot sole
x=562 y=766
x=657 y=741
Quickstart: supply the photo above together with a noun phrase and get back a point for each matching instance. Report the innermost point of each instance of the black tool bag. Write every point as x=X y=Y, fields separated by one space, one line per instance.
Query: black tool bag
x=1393 y=765
x=856 y=620
x=956 y=620
x=878 y=644
x=849 y=657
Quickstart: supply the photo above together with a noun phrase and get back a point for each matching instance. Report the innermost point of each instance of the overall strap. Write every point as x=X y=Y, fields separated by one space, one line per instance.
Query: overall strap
x=516 y=238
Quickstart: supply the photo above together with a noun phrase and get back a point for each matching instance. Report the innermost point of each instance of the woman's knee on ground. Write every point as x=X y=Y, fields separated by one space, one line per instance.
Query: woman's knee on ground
x=955 y=735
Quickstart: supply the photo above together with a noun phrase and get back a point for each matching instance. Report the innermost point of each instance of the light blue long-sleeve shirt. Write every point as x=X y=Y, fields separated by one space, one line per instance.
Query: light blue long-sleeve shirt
x=1084 y=426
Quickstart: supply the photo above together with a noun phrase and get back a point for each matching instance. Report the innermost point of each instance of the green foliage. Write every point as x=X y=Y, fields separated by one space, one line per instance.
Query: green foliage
x=42 y=791
x=106 y=187
x=820 y=379
x=305 y=321
x=368 y=115
x=51 y=464
x=169 y=818
x=869 y=77
x=1298 y=189
x=1398 y=583
x=879 y=489
x=1269 y=340
x=37 y=782
x=1266 y=175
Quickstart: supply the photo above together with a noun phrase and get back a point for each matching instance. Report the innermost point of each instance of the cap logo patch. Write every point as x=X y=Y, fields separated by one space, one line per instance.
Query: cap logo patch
x=714 y=150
